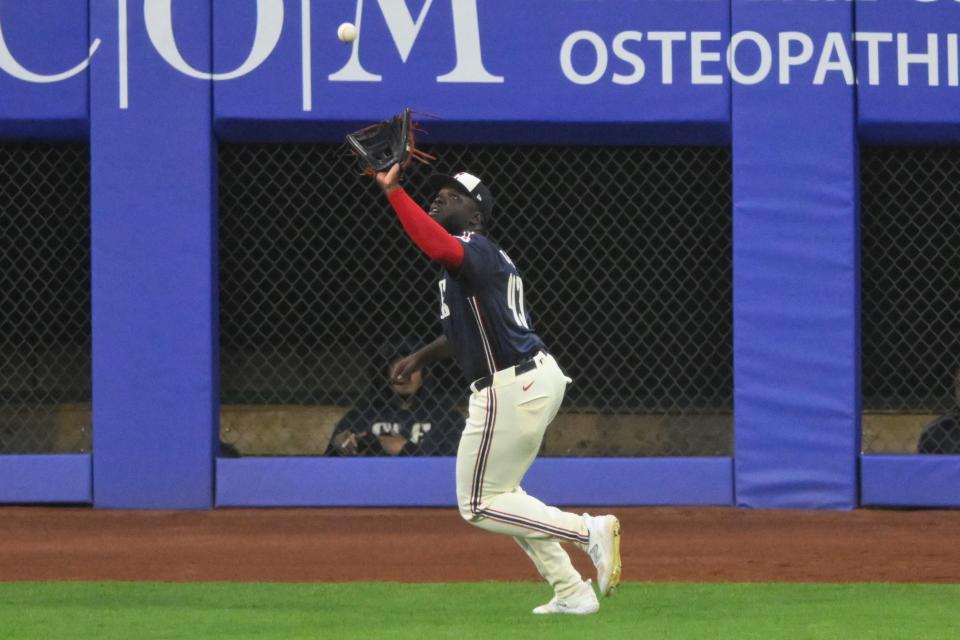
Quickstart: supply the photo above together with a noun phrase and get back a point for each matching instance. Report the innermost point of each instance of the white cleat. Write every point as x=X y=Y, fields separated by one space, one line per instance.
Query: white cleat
x=604 y=550
x=582 y=603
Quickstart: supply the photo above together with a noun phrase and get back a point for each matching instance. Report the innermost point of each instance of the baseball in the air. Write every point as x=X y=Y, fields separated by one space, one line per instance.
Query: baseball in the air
x=347 y=32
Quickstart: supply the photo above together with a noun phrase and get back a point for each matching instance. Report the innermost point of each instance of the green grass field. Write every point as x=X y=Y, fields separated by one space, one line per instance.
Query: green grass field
x=140 y=611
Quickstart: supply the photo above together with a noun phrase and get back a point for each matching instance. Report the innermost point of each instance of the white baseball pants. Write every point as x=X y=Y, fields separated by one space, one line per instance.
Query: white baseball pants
x=504 y=430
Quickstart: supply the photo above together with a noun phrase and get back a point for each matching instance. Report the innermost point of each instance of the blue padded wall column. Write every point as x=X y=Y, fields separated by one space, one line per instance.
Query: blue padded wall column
x=154 y=302
x=796 y=362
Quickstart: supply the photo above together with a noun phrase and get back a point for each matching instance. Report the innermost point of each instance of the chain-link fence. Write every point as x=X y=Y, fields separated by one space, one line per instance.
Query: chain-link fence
x=625 y=254
x=910 y=211
x=45 y=298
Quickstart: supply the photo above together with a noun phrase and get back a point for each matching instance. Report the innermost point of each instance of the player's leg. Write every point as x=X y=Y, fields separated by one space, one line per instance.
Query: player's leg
x=500 y=441
x=550 y=559
x=502 y=436
x=571 y=593
x=553 y=563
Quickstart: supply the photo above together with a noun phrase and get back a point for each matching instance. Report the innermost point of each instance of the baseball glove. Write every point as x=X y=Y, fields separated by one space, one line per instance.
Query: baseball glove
x=384 y=144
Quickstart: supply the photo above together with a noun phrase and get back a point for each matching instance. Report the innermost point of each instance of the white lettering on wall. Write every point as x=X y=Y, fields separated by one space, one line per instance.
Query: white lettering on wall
x=666 y=40
x=873 y=41
x=122 y=55
x=834 y=57
x=744 y=57
x=953 y=61
x=929 y=58
x=353 y=71
x=404 y=30
x=631 y=58
x=788 y=59
x=698 y=56
x=306 y=67
x=766 y=57
x=600 y=57
x=9 y=64
x=792 y=50
x=466 y=36
x=158 y=15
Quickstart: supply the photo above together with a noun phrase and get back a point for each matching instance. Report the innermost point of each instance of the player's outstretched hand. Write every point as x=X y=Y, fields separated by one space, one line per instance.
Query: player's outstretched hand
x=389 y=180
x=403 y=368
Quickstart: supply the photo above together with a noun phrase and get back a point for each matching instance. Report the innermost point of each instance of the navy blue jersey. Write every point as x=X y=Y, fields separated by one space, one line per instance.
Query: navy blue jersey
x=482 y=310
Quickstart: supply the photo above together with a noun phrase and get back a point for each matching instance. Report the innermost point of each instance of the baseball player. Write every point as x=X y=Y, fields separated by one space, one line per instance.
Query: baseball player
x=516 y=391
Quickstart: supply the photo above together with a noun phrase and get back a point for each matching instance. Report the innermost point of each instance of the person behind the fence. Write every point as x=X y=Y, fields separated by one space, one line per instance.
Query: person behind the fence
x=407 y=419
x=943 y=434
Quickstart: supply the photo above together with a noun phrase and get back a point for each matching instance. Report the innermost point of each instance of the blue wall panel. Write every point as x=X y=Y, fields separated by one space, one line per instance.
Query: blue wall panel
x=920 y=481
x=44 y=53
x=155 y=389
x=795 y=274
x=36 y=479
x=327 y=482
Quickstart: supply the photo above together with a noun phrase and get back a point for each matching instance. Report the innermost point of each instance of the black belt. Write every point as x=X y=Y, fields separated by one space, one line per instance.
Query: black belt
x=523 y=367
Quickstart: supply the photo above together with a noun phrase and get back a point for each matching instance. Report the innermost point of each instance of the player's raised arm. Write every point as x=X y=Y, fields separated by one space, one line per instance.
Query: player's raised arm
x=425 y=232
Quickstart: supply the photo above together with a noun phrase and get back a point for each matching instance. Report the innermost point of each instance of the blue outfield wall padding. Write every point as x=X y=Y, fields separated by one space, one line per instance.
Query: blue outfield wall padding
x=43 y=69
x=53 y=478
x=910 y=481
x=429 y=482
x=154 y=291
x=795 y=248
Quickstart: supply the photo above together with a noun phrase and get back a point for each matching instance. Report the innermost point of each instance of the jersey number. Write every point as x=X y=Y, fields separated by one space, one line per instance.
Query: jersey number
x=444 y=309
x=515 y=300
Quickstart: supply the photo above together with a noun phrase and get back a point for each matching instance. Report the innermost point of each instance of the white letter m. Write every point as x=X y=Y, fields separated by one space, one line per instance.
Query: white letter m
x=404 y=30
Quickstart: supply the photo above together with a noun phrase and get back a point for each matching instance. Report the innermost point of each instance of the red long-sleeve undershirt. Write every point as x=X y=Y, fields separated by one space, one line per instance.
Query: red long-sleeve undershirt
x=425 y=232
